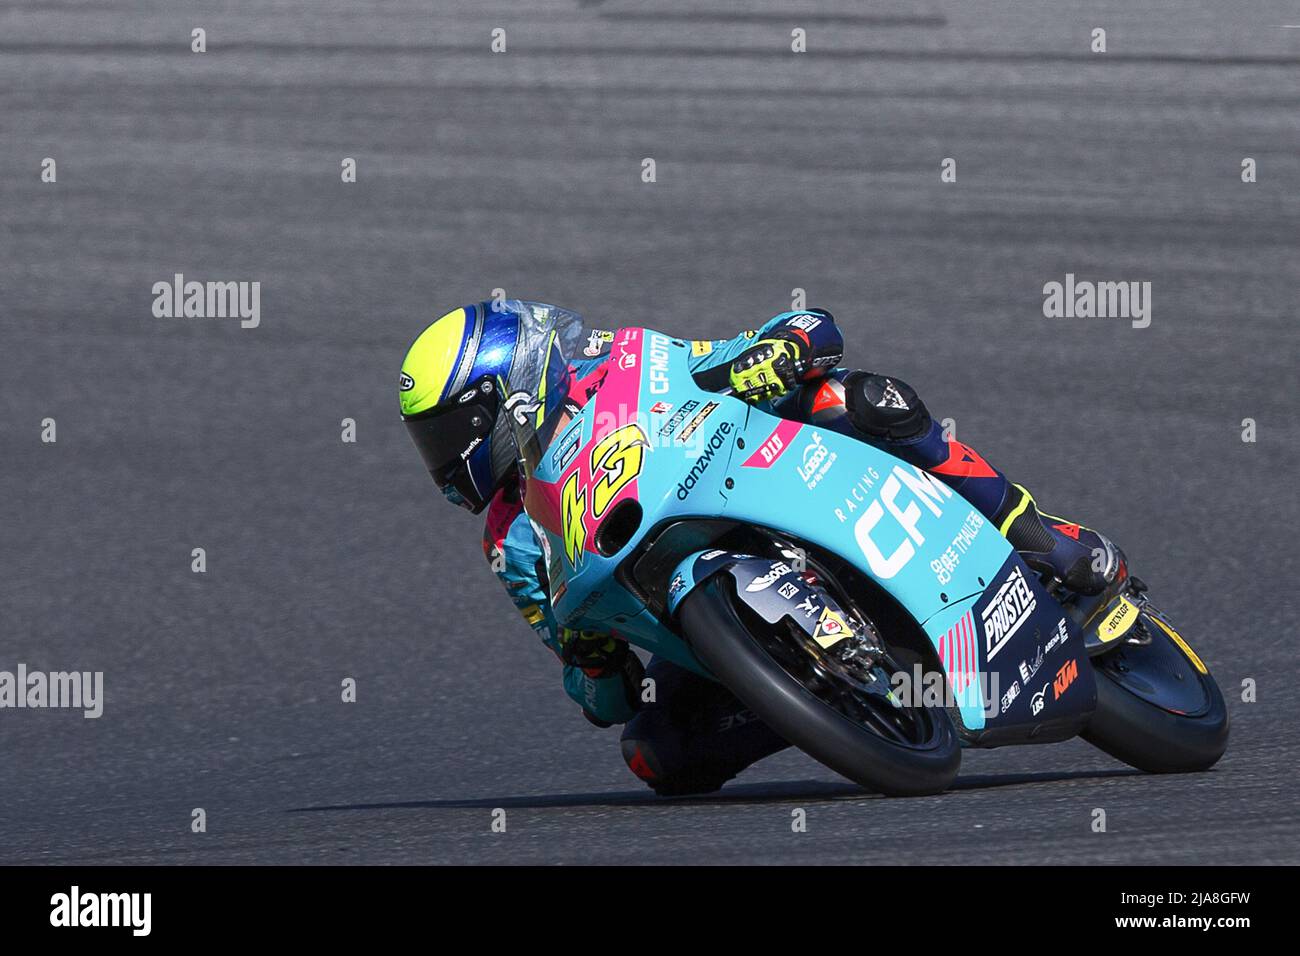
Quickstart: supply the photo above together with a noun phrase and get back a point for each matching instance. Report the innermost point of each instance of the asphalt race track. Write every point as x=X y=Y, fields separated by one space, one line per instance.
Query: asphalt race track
x=522 y=170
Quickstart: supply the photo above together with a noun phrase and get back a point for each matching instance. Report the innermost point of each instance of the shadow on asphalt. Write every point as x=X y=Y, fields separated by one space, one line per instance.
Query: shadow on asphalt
x=730 y=796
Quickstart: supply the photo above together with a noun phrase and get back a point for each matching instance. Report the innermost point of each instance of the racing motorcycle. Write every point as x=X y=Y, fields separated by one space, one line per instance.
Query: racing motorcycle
x=861 y=608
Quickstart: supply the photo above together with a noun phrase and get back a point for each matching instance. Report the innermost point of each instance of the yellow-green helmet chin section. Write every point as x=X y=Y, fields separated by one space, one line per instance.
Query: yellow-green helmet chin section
x=432 y=362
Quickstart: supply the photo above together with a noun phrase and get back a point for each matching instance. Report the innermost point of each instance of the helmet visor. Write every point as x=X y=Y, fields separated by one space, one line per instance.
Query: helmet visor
x=445 y=440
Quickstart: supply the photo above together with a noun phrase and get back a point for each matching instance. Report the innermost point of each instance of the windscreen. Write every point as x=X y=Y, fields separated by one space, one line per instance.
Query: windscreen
x=549 y=337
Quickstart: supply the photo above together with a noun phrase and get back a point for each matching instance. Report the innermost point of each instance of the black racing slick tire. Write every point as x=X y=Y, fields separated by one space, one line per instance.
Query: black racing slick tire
x=724 y=644
x=1158 y=708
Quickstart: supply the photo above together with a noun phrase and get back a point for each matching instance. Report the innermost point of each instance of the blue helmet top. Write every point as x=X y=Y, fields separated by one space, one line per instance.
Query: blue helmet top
x=482 y=382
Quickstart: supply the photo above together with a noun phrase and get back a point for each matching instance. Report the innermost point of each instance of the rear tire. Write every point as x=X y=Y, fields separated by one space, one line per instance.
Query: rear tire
x=723 y=643
x=1140 y=732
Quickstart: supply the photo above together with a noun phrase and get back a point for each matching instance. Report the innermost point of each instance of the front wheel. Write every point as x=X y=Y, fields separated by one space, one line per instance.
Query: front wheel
x=857 y=730
x=1158 y=708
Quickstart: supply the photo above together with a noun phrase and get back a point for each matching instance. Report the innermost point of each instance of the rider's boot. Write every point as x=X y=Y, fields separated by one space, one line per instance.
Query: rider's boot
x=1085 y=560
x=887 y=412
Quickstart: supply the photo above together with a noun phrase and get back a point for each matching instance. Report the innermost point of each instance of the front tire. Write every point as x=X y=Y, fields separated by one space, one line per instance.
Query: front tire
x=1156 y=709
x=724 y=643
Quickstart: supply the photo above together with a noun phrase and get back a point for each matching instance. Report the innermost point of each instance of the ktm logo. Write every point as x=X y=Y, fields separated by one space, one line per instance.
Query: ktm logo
x=1064 y=678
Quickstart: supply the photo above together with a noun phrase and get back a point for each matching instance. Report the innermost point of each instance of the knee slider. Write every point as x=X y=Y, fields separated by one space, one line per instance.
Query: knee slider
x=642 y=760
x=652 y=746
x=885 y=407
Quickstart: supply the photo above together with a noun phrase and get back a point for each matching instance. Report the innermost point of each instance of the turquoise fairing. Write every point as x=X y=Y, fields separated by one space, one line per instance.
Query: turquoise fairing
x=918 y=538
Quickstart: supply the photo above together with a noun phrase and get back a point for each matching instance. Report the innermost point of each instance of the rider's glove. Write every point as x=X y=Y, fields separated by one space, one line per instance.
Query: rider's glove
x=766 y=370
x=596 y=653
x=601 y=656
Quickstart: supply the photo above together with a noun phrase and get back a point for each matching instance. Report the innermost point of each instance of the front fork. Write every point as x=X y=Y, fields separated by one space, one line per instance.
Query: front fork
x=788 y=586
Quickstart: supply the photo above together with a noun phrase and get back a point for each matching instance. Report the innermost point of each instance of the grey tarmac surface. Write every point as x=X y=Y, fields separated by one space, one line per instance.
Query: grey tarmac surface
x=521 y=171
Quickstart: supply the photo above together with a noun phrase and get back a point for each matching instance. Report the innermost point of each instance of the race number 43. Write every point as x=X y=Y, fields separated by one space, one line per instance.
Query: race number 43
x=615 y=461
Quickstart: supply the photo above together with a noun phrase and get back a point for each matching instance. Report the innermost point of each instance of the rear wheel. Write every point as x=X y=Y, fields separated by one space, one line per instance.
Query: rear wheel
x=1158 y=708
x=850 y=721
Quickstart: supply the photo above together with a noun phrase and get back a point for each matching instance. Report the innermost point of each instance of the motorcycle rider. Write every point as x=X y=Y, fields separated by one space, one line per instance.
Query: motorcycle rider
x=476 y=366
